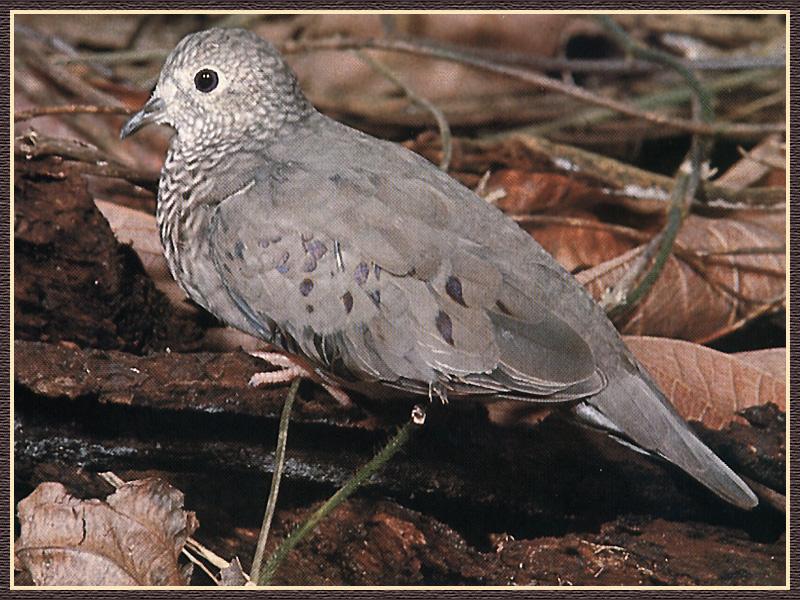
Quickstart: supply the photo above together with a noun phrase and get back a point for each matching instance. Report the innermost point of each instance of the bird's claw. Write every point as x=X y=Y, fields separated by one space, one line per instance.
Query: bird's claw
x=290 y=371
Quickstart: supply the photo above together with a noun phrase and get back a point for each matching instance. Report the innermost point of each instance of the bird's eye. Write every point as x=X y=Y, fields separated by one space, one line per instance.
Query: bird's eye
x=206 y=80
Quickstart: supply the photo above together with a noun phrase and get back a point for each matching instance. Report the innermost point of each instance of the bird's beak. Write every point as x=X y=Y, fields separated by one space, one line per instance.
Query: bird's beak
x=151 y=112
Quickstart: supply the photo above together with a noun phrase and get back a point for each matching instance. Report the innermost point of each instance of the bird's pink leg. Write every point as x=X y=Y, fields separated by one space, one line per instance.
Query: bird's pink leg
x=289 y=371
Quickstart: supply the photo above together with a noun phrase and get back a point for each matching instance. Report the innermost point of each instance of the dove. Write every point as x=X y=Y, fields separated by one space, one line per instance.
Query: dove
x=374 y=267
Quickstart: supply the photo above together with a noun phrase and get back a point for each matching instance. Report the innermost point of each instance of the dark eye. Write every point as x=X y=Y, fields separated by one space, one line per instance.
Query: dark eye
x=206 y=80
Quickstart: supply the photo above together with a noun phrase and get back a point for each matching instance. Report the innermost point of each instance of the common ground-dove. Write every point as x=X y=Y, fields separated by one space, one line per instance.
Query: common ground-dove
x=376 y=266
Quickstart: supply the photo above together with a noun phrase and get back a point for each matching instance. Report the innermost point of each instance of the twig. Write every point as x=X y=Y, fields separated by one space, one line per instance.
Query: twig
x=630 y=45
x=548 y=83
x=625 y=65
x=630 y=181
x=540 y=63
x=624 y=295
x=361 y=476
x=623 y=300
x=772 y=497
x=63 y=80
x=56 y=43
x=70 y=109
x=201 y=564
x=746 y=110
x=112 y=479
x=113 y=58
x=722 y=30
x=92 y=160
x=747 y=171
x=663 y=98
x=584 y=223
x=211 y=556
x=441 y=121
x=691 y=256
x=761 y=160
x=741 y=251
x=272 y=500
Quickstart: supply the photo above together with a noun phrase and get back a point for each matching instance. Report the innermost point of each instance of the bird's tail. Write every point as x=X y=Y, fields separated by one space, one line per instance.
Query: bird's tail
x=633 y=410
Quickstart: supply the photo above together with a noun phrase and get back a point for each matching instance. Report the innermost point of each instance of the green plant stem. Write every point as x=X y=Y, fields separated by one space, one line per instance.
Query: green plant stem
x=362 y=475
x=626 y=41
x=686 y=185
x=660 y=99
x=272 y=499
x=685 y=190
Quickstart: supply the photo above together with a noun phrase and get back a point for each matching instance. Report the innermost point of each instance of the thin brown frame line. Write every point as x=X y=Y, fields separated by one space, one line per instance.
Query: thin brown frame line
x=786 y=13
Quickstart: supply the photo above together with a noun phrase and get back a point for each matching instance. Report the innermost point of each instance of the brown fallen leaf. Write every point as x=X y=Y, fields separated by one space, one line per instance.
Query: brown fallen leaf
x=134 y=537
x=703 y=293
x=233 y=574
x=354 y=88
x=579 y=240
x=526 y=192
x=707 y=385
x=771 y=360
x=760 y=162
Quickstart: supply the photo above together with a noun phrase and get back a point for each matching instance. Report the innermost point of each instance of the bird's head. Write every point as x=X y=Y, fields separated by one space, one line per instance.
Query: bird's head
x=222 y=85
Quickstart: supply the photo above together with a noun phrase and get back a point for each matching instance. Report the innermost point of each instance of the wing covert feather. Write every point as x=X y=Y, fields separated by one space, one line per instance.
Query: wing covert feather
x=383 y=286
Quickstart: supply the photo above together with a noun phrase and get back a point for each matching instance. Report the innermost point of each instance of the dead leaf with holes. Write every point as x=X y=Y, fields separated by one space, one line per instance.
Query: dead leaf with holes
x=134 y=537
x=723 y=272
x=710 y=386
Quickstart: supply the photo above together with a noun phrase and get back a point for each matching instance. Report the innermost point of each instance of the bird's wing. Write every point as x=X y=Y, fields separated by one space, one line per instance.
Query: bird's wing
x=365 y=274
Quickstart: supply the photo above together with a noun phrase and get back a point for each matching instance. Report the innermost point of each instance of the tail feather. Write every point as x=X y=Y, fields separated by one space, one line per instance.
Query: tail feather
x=633 y=409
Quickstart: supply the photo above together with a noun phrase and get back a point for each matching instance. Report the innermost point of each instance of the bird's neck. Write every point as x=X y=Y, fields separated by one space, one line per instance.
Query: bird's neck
x=187 y=166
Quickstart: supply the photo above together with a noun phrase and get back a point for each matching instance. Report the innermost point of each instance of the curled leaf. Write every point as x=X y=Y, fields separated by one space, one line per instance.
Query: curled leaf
x=134 y=537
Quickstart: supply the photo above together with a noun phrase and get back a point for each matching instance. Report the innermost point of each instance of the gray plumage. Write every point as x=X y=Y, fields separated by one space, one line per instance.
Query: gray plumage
x=374 y=265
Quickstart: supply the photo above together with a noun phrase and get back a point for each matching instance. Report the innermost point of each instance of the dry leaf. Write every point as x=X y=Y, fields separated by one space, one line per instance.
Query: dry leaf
x=579 y=240
x=342 y=84
x=771 y=360
x=233 y=574
x=528 y=192
x=756 y=165
x=700 y=298
x=707 y=385
x=433 y=79
x=134 y=537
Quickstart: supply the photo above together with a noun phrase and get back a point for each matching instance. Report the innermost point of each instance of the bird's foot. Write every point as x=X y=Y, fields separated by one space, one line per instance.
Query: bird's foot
x=290 y=371
x=438 y=389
